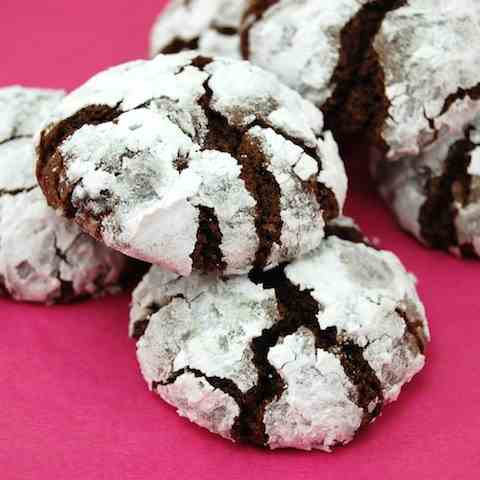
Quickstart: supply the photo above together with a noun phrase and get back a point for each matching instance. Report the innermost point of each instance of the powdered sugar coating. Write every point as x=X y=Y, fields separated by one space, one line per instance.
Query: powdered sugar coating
x=23 y=109
x=425 y=50
x=301 y=218
x=318 y=409
x=201 y=403
x=43 y=258
x=210 y=330
x=370 y=288
x=209 y=26
x=300 y=41
x=333 y=174
x=404 y=183
x=204 y=325
x=133 y=178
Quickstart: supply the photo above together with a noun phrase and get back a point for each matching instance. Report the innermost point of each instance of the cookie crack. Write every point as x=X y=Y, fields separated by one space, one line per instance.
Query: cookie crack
x=438 y=212
x=260 y=182
x=347 y=233
x=225 y=385
x=207 y=255
x=324 y=195
x=13 y=138
x=298 y=308
x=473 y=93
x=359 y=79
x=67 y=290
x=361 y=374
x=264 y=188
x=16 y=191
x=432 y=126
x=3 y=286
x=179 y=44
x=50 y=162
x=415 y=328
x=222 y=30
x=62 y=255
x=140 y=326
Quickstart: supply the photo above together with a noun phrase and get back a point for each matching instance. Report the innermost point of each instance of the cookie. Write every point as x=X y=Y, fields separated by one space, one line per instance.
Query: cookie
x=191 y=164
x=43 y=258
x=303 y=356
x=209 y=26
x=399 y=72
x=436 y=194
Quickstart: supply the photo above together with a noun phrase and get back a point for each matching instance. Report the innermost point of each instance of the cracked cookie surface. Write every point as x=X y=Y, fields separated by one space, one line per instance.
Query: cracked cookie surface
x=319 y=49
x=193 y=164
x=285 y=358
x=430 y=72
x=436 y=195
x=43 y=258
x=209 y=26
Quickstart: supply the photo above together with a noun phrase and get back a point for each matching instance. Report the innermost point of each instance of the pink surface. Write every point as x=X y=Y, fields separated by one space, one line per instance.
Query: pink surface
x=72 y=402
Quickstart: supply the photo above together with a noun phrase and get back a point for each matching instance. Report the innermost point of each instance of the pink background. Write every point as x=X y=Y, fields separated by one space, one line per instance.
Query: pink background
x=72 y=402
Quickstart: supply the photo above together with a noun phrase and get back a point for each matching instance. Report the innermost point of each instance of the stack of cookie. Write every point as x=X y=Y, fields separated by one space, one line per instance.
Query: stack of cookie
x=267 y=317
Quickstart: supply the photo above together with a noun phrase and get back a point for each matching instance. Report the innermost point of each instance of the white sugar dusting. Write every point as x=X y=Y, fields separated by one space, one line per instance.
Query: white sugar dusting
x=213 y=25
x=404 y=183
x=300 y=41
x=40 y=252
x=423 y=50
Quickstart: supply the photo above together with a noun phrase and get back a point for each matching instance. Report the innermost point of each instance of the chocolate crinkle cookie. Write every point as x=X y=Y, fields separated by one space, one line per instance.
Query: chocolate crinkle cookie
x=303 y=356
x=401 y=72
x=436 y=194
x=192 y=163
x=43 y=258
x=209 y=26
